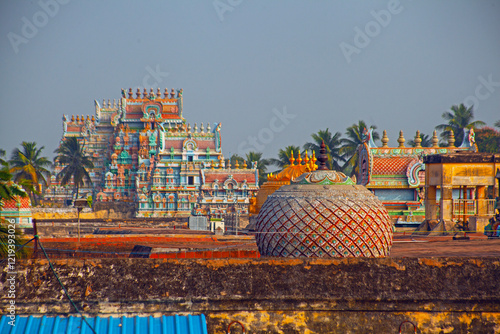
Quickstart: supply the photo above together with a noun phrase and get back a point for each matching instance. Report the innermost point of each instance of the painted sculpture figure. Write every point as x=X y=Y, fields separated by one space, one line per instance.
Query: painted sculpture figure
x=323 y=213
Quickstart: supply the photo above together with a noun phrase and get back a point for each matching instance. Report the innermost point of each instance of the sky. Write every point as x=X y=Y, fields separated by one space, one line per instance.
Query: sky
x=273 y=72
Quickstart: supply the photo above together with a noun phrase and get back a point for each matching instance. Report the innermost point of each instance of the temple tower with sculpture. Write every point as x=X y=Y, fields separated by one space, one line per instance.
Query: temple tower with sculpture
x=145 y=152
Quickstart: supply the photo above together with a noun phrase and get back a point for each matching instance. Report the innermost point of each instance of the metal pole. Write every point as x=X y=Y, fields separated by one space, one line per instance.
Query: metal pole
x=79 y=209
x=35 y=251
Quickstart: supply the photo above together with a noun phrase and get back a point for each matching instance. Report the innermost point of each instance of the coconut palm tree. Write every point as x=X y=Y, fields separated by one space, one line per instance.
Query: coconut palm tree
x=2 y=155
x=497 y=124
x=332 y=143
x=350 y=145
x=459 y=118
x=262 y=164
x=71 y=155
x=28 y=164
x=284 y=156
x=8 y=191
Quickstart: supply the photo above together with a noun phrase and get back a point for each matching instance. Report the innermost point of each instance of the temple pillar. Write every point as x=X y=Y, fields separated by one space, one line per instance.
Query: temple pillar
x=480 y=220
x=482 y=203
x=431 y=206
x=446 y=204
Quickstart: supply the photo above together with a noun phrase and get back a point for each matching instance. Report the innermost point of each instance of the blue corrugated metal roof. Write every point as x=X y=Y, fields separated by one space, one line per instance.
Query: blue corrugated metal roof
x=191 y=324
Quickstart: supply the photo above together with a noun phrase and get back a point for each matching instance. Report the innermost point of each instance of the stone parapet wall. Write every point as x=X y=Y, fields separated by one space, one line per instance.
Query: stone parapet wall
x=270 y=295
x=101 y=210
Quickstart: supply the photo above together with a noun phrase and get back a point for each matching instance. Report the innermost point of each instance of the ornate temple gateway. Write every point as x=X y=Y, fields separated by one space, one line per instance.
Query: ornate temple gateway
x=144 y=152
x=396 y=175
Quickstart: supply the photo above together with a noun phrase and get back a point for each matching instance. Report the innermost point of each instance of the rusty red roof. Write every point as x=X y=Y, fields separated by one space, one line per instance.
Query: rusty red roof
x=238 y=175
x=391 y=166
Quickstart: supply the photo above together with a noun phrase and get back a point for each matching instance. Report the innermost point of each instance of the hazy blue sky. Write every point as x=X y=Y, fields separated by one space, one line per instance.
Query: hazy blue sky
x=274 y=71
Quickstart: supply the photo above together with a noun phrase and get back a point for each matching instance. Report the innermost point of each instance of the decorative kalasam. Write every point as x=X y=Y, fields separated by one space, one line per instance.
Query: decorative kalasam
x=323 y=213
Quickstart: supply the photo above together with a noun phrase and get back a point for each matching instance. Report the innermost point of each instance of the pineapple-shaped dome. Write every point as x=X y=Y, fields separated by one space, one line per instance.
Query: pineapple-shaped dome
x=323 y=213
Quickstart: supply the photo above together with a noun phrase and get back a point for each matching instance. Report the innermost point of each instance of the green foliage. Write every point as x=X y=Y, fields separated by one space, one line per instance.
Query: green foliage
x=29 y=168
x=332 y=143
x=459 y=118
x=262 y=164
x=8 y=191
x=18 y=240
x=71 y=155
x=488 y=140
x=351 y=143
x=284 y=156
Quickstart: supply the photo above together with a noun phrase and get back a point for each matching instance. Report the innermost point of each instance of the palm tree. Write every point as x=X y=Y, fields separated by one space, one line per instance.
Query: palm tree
x=497 y=124
x=28 y=164
x=8 y=191
x=284 y=156
x=2 y=161
x=71 y=155
x=261 y=164
x=350 y=145
x=332 y=143
x=426 y=141
x=459 y=118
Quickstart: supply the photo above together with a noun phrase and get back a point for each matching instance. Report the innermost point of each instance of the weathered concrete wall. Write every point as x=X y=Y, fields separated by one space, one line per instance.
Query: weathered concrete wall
x=101 y=210
x=440 y=295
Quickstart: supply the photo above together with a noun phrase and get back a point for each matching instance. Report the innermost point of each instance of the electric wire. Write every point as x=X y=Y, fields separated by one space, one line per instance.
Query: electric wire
x=62 y=285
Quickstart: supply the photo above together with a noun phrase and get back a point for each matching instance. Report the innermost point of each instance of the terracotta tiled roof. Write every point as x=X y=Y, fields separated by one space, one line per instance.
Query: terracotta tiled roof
x=391 y=166
x=11 y=204
x=211 y=176
x=203 y=144
x=176 y=144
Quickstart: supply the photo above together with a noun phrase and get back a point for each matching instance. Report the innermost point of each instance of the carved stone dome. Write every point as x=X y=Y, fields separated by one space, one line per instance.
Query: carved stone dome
x=323 y=214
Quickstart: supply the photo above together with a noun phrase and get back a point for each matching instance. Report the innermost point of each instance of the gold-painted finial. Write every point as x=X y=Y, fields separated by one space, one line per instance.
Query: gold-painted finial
x=313 y=162
x=292 y=159
x=299 y=159
x=306 y=161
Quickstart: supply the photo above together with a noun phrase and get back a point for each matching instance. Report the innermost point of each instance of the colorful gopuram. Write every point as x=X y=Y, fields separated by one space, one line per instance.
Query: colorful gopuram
x=396 y=175
x=145 y=152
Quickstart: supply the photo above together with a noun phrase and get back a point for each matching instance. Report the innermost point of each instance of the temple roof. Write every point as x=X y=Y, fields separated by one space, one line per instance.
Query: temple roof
x=293 y=171
x=239 y=175
x=391 y=165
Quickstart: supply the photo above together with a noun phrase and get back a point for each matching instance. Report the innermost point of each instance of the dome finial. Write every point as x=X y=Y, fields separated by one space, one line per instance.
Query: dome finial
x=418 y=140
x=292 y=159
x=435 y=139
x=385 y=139
x=323 y=158
x=401 y=139
x=451 y=139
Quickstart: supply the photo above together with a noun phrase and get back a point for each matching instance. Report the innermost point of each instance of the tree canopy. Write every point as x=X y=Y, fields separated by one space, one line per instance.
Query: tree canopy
x=71 y=155
x=458 y=118
x=28 y=165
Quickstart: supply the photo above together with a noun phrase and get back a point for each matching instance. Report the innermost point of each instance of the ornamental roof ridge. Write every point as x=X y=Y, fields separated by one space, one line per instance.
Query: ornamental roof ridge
x=174 y=94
